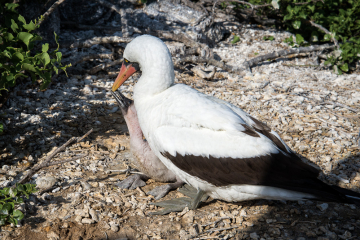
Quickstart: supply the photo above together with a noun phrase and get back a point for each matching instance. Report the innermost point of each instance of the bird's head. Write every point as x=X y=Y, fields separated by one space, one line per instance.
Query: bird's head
x=147 y=54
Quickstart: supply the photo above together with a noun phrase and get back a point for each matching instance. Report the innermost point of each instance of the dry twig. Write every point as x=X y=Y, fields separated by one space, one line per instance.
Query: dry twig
x=94 y=56
x=92 y=27
x=85 y=43
x=103 y=66
x=212 y=61
x=47 y=163
x=109 y=5
x=286 y=52
x=327 y=32
x=49 y=11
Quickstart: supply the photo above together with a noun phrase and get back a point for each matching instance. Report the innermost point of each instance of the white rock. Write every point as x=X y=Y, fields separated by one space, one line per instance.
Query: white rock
x=94 y=215
x=5 y=167
x=87 y=221
x=243 y=213
x=114 y=227
x=45 y=182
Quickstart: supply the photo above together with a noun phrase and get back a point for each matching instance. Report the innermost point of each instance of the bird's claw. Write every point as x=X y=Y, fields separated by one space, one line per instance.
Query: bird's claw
x=178 y=204
x=131 y=182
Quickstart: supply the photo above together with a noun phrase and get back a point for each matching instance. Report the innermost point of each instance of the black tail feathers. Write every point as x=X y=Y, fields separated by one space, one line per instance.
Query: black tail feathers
x=349 y=196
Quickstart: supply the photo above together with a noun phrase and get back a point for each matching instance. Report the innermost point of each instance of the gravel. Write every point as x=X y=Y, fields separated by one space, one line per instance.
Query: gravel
x=302 y=104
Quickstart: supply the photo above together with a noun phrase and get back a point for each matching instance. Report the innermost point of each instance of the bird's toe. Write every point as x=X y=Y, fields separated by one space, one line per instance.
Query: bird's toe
x=131 y=182
x=160 y=191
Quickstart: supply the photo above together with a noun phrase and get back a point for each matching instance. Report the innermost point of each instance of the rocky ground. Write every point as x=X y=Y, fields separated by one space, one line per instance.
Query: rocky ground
x=314 y=110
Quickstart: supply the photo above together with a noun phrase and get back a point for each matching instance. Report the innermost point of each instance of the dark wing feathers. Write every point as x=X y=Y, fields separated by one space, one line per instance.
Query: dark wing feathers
x=266 y=131
x=275 y=170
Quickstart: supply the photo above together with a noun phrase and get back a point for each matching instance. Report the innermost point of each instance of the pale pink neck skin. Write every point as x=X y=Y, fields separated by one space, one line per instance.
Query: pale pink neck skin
x=147 y=162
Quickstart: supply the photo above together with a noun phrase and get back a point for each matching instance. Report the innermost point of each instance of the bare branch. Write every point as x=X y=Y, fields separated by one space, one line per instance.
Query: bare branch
x=84 y=136
x=109 y=5
x=248 y=64
x=124 y=23
x=47 y=162
x=286 y=52
x=340 y=105
x=94 y=56
x=63 y=161
x=85 y=43
x=245 y=3
x=211 y=61
x=49 y=11
x=92 y=27
x=332 y=35
x=103 y=66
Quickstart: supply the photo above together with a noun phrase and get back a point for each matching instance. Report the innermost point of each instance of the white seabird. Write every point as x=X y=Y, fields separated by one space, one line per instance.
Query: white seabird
x=211 y=144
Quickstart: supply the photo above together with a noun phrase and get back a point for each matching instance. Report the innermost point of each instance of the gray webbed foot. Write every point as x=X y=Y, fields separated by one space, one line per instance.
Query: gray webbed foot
x=161 y=191
x=132 y=182
x=178 y=204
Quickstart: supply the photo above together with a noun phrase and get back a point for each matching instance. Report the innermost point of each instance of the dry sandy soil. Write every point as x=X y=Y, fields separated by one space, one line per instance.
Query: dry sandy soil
x=311 y=108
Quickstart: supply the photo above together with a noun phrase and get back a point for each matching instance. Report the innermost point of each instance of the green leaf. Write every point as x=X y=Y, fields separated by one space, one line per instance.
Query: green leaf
x=19 y=56
x=302 y=15
x=9 y=36
x=287 y=17
x=13 y=192
x=327 y=37
x=296 y=24
x=56 y=40
x=45 y=58
x=14 y=26
x=10 y=77
x=45 y=47
x=22 y=19
x=1 y=130
x=11 y=6
x=271 y=38
x=6 y=209
x=58 y=56
x=344 y=67
x=20 y=188
x=30 y=26
x=235 y=40
x=37 y=38
x=25 y=37
x=29 y=67
x=1 y=40
x=311 y=7
x=6 y=53
x=56 y=69
x=18 y=215
x=299 y=39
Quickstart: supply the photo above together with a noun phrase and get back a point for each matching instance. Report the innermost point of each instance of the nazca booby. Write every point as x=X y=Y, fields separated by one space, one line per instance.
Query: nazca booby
x=145 y=160
x=211 y=144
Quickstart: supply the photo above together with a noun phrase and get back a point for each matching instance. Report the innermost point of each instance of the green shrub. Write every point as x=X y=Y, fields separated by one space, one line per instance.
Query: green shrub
x=10 y=198
x=17 y=55
x=340 y=17
x=17 y=40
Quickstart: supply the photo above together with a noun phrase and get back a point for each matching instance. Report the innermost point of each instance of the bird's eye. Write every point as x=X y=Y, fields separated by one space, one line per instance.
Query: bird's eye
x=126 y=61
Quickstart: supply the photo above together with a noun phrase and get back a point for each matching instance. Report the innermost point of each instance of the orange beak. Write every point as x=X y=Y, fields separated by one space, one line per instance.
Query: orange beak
x=125 y=73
